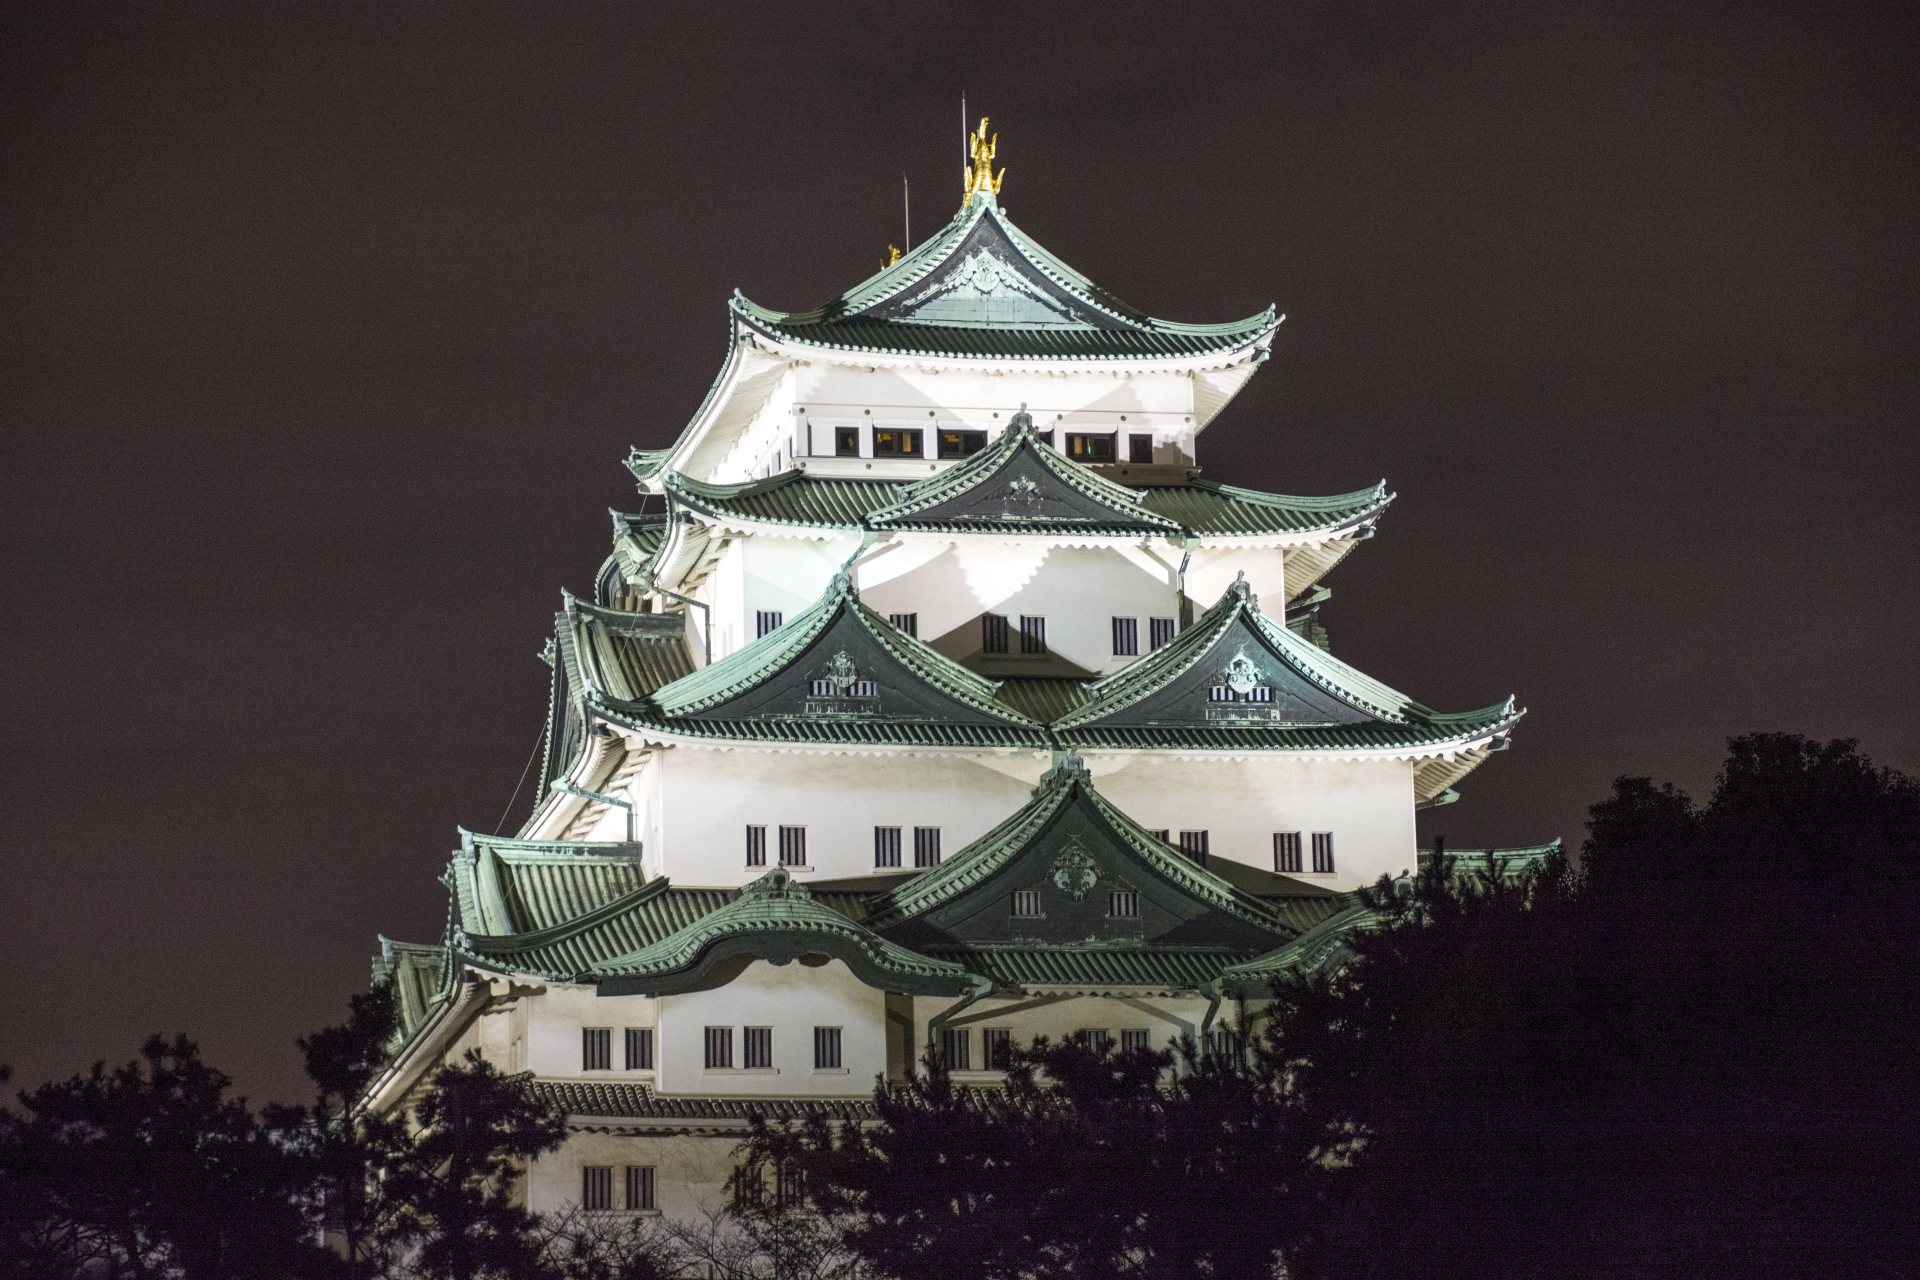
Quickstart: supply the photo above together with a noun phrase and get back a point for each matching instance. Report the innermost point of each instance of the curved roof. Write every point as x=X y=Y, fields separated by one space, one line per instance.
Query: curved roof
x=981 y=287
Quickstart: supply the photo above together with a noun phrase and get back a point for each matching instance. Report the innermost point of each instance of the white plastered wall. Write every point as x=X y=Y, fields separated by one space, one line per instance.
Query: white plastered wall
x=792 y=999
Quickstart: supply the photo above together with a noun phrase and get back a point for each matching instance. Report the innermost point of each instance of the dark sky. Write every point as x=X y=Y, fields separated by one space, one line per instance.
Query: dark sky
x=326 y=328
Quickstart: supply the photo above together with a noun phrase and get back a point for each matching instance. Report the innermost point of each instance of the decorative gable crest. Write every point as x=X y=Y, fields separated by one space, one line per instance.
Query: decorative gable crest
x=1074 y=873
x=840 y=692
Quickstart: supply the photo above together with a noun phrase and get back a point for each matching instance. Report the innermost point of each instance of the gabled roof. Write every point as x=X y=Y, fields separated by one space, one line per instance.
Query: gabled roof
x=981 y=287
x=1089 y=502
x=1074 y=850
x=1019 y=485
x=508 y=886
x=623 y=655
x=1237 y=679
x=836 y=673
x=775 y=919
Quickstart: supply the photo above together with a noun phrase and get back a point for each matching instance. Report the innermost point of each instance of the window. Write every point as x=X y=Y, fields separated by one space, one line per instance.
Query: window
x=765 y=620
x=993 y=633
x=998 y=1043
x=756 y=846
x=719 y=1048
x=962 y=444
x=846 y=442
x=596 y=1186
x=826 y=1048
x=1225 y=693
x=793 y=846
x=789 y=1188
x=1139 y=448
x=858 y=689
x=1323 y=851
x=955 y=1044
x=1132 y=1040
x=1159 y=632
x=1089 y=447
x=886 y=846
x=889 y=442
x=1099 y=1039
x=1045 y=437
x=1163 y=835
x=596 y=1049
x=639 y=1048
x=926 y=846
x=758 y=1044
x=639 y=1186
x=749 y=1186
x=907 y=622
x=1194 y=845
x=1026 y=902
x=1126 y=637
x=1033 y=634
x=1123 y=904
x=1286 y=851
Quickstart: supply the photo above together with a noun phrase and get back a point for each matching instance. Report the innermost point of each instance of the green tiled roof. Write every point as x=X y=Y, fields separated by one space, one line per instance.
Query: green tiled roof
x=981 y=288
x=646 y=463
x=1092 y=968
x=503 y=886
x=626 y=656
x=775 y=919
x=1204 y=508
x=620 y=927
x=792 y=498
x=1042 y=698
x=622 y=1101
x=1499 y=864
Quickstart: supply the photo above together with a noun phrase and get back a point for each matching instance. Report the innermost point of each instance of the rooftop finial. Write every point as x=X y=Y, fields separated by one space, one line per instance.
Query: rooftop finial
x=979 y=178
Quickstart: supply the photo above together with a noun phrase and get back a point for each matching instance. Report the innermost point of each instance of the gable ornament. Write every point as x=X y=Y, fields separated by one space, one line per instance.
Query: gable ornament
x=1074 y=873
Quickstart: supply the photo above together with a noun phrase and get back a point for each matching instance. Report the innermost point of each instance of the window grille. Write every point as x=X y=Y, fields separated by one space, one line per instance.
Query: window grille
x=1132 y=1040
x=1286 y=851
x=886 y=846
x=1033 y=634
x=756 y=846
x=858 y=689
x=1126 y=637
x=749 y=1186
x=789 y=1188
x=926 y=846
x=765 y=620
x=961 y=444
x=596 y=1048
x=639 y=1048
x=758 y=1046
x=1099 y=1039
x=1139 y=448
x=1323 y=851
x=793 y=846
x=826 y=1048
x=993 y=633
x=1159 y=632
x=907 y=622
x=1225 y=693
x=719 y=1048
x=889 y=442
x=1026 y=902
x=846 y=442
x=639 y=1186
x=1163 y=835
x=596 y=1186
x=1123 y=904
x=1194 y=845
x=955 y=1046
x=998 y=1043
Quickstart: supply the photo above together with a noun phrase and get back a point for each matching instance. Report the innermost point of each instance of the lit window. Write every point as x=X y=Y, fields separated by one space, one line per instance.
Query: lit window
x=596 y=1049
x=886 y=846
x=1088 y=447
x=892 y=443
x=1286 y=851
x=961 y=444
x=1126 y=637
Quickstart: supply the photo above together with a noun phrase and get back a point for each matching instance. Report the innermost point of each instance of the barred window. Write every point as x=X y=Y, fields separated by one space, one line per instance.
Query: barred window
x=639 y=1186
x=926 y=846
x=907 y=622
x=1135 y=1039
x=1323 y=851
x=886 y=846
x=596 y=1048
x=1194 y=845
x=756 y=846
x=827 y=689
x=758 y=1046
x=749 y=1186
x=1099 y=1039
x=998 y=1043
x=719 y=1048
x=826 y=1048
x=1026 y=902
x=1123 y=904
x=639 y=1048
x=993 y=633
x=1159 y=632
x=793 y=846
x=1163 y=835
x=1033 y=634
x=955 y=1046
x=789 y=1188
x=1225 y=693
x=1286 y=851
x=1126 y=637
x=765 y=620
x=596 y=1186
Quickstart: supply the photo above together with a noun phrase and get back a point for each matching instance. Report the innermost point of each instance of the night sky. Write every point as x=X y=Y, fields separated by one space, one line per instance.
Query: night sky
x=326 y=329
